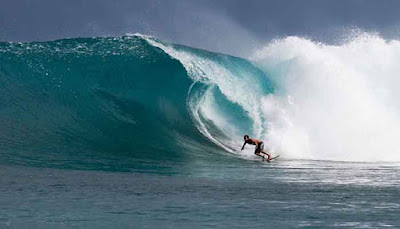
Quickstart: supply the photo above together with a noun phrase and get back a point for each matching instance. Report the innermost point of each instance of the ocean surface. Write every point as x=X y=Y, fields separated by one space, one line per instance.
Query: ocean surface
x=135 y=132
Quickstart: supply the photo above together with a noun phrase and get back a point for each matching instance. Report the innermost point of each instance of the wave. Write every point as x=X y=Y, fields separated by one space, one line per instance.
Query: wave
x=142 y=98
x=117 y=97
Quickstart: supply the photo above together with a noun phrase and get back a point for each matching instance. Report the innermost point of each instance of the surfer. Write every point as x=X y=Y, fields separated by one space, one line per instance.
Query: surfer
x=259 y=147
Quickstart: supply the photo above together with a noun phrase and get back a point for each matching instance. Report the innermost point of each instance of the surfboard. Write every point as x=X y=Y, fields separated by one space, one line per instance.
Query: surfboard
x=272 y=158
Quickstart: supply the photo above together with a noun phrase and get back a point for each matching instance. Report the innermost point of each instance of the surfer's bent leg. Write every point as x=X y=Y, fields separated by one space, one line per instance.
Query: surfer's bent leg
x=261 y=149
x=258 y=151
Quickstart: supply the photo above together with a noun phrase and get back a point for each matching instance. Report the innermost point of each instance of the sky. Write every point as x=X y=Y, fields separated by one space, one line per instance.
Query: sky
x=228 y=26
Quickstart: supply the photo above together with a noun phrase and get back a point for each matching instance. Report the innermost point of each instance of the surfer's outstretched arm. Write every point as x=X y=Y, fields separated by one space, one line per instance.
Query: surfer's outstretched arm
x=243 y=145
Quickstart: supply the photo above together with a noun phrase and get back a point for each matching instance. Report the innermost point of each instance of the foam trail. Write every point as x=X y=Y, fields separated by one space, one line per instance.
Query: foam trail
x=333 y=102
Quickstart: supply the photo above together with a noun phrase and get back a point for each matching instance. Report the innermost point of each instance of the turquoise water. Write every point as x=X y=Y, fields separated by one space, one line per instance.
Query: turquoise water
x=132 y=132
x=104 y=103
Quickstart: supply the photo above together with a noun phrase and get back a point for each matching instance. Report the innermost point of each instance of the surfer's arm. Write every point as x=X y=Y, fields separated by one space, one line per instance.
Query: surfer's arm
x=243 y=145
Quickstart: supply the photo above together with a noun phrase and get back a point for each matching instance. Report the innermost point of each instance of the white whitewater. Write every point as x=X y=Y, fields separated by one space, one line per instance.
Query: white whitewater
x=333 y=102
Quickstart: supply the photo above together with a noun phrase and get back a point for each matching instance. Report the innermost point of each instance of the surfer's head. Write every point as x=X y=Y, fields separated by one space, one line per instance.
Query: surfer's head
x=246 y=137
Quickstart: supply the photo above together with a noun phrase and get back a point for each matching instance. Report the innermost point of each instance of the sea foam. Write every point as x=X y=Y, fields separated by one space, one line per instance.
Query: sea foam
x=333 y=102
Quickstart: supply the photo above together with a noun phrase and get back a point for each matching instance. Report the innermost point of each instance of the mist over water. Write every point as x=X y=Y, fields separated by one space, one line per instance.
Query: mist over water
x=333 y=102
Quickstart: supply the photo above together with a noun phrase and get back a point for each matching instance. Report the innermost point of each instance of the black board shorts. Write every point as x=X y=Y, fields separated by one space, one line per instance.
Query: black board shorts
x=259 y=148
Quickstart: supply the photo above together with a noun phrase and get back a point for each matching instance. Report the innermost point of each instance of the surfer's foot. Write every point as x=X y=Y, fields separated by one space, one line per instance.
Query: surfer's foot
x=266 y=156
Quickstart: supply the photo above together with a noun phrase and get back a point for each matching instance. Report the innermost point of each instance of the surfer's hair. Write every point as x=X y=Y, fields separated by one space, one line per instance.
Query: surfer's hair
x=246 y=136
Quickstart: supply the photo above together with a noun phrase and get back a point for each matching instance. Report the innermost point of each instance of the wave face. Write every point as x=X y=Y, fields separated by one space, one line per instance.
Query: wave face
x=120 y=97
x=141 y=98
